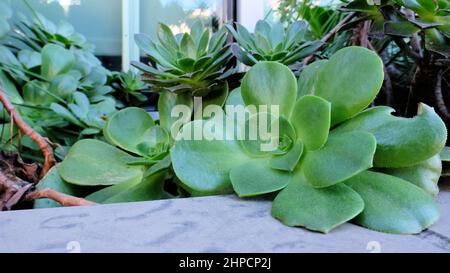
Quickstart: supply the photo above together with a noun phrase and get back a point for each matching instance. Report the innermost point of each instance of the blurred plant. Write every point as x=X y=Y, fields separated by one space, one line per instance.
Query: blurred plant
x=321 y=19
x=45 y=72
x=273 y=43
x=129 y=87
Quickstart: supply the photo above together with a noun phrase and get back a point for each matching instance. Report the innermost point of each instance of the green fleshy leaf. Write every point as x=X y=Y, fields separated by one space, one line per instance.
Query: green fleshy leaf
x=36 y=93
x=10 y=89
x=203 y=166
x=257 y=177
x=350 y=80
x=343 y=156
x=126 y=129
x=311 y=119
x=308 y=78
x=424 y=175
x=265 y=134
x=166 y=103
x=401 y=28
x=445 y=154
x=393 y=205
x=235 y=98
x=401 y=142
x=322 y=210
x=95 y=163
x=63 y=85
x=288 y=161
x=56 y=60
x=151 y=188
x=29 y=58
x=270 y=84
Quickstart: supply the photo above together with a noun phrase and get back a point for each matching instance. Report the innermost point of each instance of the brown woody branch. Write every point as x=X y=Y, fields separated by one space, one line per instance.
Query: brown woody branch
x=47 y=151
x=63 y=199
x=440 y=102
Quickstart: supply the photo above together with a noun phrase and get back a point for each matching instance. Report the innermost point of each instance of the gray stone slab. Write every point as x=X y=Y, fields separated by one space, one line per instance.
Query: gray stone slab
x=211 y=224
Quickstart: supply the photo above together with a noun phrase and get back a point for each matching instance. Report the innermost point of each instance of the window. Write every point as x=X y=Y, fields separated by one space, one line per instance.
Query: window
x=111 y=24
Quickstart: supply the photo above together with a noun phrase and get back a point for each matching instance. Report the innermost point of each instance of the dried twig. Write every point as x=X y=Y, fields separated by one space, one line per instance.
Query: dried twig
x=331 y=34
x=440 y=103
x=63 y=199
x=43 y=144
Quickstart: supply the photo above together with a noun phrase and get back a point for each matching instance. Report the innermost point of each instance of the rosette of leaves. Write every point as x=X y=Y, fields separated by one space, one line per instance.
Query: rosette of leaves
x=196 y=63
x=132 y=166
x=336 y=161
x=129 y=87
x=273 y=43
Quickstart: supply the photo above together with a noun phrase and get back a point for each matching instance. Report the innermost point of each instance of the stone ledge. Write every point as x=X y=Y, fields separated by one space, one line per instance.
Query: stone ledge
x=211 y=224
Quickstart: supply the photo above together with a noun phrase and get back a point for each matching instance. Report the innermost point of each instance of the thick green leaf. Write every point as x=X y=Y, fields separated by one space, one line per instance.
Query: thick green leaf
x=218 y=95
x=445 y=154
x=10 y=89
x=343 y=156
x=316 y=209
x=166 y=103
x=308 y=78
x=424 y=175
x=401 y=28
x=311 y=119
x=350 y=80
x=288 y=161
x=257 y=177
x=29 y=58
x=393 y=205
x=401 y=142
x=63 y=85
x=202 y=165
x=56 y=60
x=235 y=98
x=36 y=93
x=151 y=188
x=270 y=84
x=126 y=128
x=188 y=47
x=95 y=163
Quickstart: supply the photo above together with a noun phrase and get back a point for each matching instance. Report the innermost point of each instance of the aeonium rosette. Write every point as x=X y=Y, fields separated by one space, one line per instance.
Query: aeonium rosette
x=335 y=161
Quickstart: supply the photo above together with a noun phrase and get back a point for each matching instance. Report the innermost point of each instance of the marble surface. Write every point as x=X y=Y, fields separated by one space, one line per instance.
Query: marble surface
x=211 y=224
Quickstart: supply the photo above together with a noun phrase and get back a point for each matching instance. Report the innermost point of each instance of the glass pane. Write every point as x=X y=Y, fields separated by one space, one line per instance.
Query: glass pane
x=179 y=14
x=98 y=20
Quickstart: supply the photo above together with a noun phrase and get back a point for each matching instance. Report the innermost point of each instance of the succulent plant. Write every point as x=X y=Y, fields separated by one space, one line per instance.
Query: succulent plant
x=273 y=43
x=129 y=87
x=132 y=166
x=195 y=63
x=336 y=160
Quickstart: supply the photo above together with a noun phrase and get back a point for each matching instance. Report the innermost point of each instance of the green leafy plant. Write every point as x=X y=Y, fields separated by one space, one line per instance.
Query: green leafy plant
x=195 y=63
x=139 y=174
x=321 y=19
x=129 y=87
x=336 y=161
x=58 y=86
x=273 y=43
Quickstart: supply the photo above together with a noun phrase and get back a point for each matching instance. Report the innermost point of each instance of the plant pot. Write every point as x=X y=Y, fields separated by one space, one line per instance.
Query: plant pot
x=210 y=224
